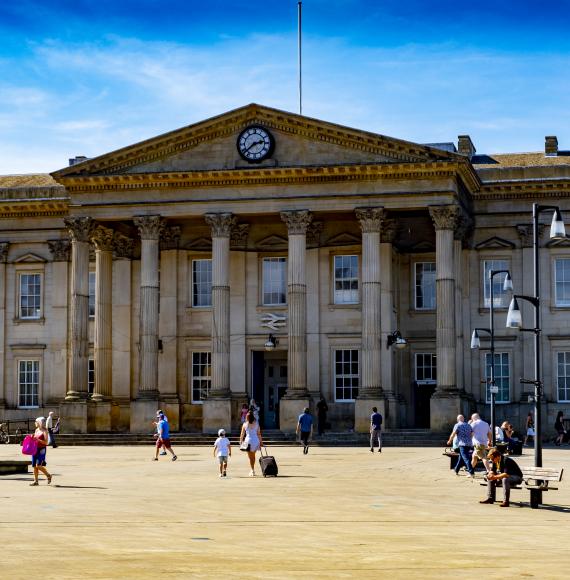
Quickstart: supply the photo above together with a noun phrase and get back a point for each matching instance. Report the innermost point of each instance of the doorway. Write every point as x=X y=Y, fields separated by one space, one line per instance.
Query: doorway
x=269 y=384
x=422 y=394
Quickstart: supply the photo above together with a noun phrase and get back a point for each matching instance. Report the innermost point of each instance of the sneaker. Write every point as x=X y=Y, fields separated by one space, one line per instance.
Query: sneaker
x=163 y=453
x=174 y=458
x=380 y=450
x=221 y=475
x=371 y=450
x=488 y=500
x=225 y=474
x=49 y=479
x=34 y=483
x=252 y=473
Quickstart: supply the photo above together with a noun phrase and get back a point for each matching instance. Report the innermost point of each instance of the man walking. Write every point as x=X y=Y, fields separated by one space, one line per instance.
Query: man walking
x=51 y=433
x=305 y=428
x=163 y=432
x=464 y=434
x=375 y=430
x=481 y=440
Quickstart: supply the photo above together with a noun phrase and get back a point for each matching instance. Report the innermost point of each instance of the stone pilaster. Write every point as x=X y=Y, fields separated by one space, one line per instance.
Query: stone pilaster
x=370 y=393
x=297 y=396
x=60 y=249
x=103 y=240
x=80 y=229
x=3 y=257
x=150 y=228
x=447 y=402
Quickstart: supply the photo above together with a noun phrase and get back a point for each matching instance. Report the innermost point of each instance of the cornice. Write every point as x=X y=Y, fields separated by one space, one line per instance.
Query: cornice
x=523 y=190
x=271 y=176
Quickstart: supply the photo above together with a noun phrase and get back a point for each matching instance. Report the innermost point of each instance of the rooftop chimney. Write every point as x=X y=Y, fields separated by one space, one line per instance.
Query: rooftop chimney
x=551 y=146
x=76 y=160
x=465 y=146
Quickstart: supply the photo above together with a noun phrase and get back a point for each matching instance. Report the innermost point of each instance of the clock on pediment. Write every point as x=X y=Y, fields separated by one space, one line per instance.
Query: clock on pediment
x=255 y=143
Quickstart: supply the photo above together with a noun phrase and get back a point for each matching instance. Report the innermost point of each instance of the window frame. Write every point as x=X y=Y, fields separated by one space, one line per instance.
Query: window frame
x=415 y=286
x=192 y=283
x=285 y=260
x=499 y=281
x=91 y=375
x=334 y=278
x=25 y=272
x=92 y=274
x=349 y=376
x=567 y=377
x=433 y=366
x=19 y=361
x=486 y=377
x=554 y=282
x=200 y=377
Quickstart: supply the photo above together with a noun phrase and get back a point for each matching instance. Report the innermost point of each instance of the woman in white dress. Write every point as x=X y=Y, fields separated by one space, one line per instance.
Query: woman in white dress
x=251 y=436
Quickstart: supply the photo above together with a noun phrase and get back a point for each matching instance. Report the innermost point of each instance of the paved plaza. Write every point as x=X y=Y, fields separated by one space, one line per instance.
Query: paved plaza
x=336 y=513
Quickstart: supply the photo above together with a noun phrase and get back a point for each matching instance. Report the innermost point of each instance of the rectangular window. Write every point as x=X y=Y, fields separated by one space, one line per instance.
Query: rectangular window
x=562 y=282
x=91 y=294
x=426 y=368
x=30 y=296
x=201 y=375
x=425 y=285
x=274 y=281
x=346 y=279
x=346 y=375
x=499 y=294
x=563 y=376
x=28 y=383
x=91 y=376
x=201 y=283
x=502 y=376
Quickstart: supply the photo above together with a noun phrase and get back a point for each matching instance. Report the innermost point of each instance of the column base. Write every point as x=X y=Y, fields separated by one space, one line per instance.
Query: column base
x=74 y=416
x=217 y=414
x=289 y=411
x=444 y=408
x=99 y=416
x=73 y=396
x=392 y=405
x=143 y=413
x=363 y=410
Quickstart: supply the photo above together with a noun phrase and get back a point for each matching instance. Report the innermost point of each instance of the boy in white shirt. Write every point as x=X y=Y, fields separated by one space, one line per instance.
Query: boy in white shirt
x=223 y=449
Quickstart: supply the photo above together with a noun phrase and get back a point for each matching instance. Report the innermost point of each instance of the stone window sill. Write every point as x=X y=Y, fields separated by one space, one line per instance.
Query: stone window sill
x=263 y=308
x=41 y=320
x=485 y=309
x=344 y=306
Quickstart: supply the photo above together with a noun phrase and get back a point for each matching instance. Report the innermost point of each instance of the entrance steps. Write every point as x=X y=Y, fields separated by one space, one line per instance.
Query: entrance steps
x=390 y=438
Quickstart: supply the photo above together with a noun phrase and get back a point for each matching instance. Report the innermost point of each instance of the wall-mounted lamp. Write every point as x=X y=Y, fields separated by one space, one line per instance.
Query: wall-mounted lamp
x=271 y=343
x=397 y=340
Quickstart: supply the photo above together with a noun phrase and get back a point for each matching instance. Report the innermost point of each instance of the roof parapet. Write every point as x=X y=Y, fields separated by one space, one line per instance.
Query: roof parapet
x=551 y=146
x=465 y=146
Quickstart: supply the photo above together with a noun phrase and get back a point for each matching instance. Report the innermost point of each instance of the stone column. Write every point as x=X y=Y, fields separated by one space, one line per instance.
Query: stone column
x=3 y=257
x=75 y=413
x=217 y=407
x=370 y=392
x=144 y=408
x=447 y=401
x=388 y=324
x=297 y=396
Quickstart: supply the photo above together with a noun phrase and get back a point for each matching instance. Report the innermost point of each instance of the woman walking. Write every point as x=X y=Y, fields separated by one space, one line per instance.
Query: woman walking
x=39 y=458
x=559 y=428
x=250 y=439
x=529 y=428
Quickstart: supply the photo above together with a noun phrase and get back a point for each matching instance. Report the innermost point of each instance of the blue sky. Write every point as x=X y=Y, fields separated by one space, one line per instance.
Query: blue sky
x=85 y=77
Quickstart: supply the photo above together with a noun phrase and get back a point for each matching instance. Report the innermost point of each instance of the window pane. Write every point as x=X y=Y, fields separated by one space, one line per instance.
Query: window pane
x=274 y=273
x=563 y=376
x=347 y=376
x=30 y=295
x=426 y=367
x=345 y=279
x=562 y=281
x=502 y=378
x=201 y=376
x=28 y=383
x=425 y=285
x=201 y=283
x=499 y=294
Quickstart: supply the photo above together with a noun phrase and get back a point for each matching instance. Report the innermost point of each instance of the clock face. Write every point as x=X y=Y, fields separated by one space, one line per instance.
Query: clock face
x=255 y=144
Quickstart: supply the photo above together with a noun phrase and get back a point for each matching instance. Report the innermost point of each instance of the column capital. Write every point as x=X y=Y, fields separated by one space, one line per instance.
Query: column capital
x=370 y=219
x=123 y=246
x=314 y=232
x=445 y=217
x=4 y=251
x=526 y=234
x=79 y=227
x=297 y=221
x=170 y=238
x=60 y=250
x=221 y=224
x=389 y=231
x=102 y=238
x=150 y=226
x=463 y=227
x=238 y=236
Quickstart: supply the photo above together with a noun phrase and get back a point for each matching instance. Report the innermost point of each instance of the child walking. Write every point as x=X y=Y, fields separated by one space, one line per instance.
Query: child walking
x=223 y=450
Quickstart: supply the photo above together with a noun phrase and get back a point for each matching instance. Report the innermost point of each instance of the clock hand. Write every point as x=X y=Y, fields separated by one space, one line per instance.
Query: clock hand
x=254 y=144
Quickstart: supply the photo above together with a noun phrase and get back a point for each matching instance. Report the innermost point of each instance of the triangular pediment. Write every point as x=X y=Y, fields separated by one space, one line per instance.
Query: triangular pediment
x=494 y=243
x=344 y=239
x=300 y=141
x=423 y=246
x=559 y=243
x=272 y=242
x=30 y=258
x=199 y=244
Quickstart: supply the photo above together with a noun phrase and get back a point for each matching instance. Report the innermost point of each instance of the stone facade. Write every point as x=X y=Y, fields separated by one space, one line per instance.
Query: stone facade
x=153 y=276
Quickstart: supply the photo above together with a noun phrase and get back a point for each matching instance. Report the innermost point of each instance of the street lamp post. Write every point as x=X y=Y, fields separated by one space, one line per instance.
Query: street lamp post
x=514 y=320
x=476 y=343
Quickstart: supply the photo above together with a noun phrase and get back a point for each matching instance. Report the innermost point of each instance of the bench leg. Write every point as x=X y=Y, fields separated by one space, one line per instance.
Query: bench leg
x=535 y=498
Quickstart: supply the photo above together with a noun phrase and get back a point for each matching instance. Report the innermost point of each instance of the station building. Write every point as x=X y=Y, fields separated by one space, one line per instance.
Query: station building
x=262 y=254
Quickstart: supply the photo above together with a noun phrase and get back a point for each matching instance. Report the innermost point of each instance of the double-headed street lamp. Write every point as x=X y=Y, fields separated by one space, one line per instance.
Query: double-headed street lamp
x=514 y=320
x=476 y=342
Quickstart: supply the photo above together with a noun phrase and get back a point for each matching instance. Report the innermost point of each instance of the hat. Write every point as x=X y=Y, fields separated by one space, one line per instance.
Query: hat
x=306 y=410
x=221 y=433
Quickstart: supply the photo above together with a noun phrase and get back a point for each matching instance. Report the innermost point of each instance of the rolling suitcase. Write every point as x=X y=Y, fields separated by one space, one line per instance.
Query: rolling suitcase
x=268 y=464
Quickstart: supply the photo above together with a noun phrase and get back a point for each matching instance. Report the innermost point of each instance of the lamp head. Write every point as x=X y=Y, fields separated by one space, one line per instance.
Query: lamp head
x=271 y=343
x=557 y=229
x=397 y=340
x=475 y=341
x=514 y=316
x=508 y=284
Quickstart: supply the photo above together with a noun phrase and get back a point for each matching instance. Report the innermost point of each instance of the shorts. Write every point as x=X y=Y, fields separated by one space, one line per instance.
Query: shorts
x=160 y=442
x=223 y=459
x=480 y=451
x=39 y=458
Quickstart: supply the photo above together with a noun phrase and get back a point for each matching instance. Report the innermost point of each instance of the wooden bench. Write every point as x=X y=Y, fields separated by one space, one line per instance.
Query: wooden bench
x=538 y=479
x=9 y=466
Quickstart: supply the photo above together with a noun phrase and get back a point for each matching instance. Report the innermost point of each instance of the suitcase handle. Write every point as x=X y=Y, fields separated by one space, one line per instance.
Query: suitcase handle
x=261 y=451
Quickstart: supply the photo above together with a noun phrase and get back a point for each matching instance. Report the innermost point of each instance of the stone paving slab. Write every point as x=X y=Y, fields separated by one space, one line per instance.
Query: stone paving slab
x=335 y=513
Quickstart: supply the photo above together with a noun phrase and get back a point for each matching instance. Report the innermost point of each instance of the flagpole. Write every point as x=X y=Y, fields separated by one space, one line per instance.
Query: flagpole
x=300 y=9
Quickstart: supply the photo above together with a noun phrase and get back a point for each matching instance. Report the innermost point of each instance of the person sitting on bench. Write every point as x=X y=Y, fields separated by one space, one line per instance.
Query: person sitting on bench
x=507 y=471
